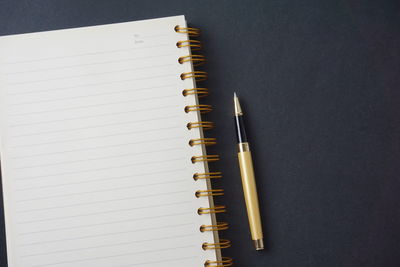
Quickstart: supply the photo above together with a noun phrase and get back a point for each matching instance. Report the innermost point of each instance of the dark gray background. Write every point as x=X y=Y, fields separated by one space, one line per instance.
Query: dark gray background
x=320 y=83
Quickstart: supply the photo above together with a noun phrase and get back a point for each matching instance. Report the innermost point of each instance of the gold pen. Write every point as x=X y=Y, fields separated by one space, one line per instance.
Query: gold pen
x=248 y=179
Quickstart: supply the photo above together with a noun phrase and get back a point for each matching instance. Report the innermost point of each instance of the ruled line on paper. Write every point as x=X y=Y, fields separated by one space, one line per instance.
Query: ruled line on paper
x=97 y=147
x=101 y=179
x=107 y=200
x=104 y=212
x=108 y=245
x=94 y=105
x=84 y=65
x=95 y=116
x=113 y=82
x=94 y=126
x=112 y=199
x=116 y=255
x=91 y=192
x=105 y=223
x=84 y=85
x=114 y=92
x=94 y=137
x=100 y=169
x=159 y=261
x=85 y=54
x=106 y=234
x=87 y=75
x=171 y=149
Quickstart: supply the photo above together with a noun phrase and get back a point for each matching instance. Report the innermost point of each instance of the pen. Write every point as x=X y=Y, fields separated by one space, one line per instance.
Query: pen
x=248 y=179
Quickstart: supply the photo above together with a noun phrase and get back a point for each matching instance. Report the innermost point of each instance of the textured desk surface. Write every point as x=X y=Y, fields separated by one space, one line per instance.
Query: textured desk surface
x=320 y=83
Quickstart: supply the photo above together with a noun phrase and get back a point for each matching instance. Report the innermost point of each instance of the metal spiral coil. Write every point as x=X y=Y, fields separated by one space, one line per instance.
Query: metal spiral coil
x=199 y=76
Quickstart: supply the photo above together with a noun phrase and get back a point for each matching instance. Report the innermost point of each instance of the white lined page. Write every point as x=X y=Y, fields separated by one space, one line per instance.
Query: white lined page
x=96 y=166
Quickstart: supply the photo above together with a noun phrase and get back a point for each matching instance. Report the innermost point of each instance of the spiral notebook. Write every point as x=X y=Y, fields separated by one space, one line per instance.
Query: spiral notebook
x=102 y=148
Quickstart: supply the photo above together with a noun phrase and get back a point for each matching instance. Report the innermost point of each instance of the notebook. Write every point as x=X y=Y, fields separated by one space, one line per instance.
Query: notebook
x=103 y=155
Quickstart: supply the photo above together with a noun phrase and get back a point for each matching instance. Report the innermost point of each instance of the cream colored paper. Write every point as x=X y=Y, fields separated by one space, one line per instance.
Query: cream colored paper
x=95 y=159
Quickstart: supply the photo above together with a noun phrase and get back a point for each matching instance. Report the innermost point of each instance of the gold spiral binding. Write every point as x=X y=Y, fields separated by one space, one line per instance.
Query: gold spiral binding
x=215 y=209
x=196 y=60
x=197 y=75
x=203 y=141
x=223 y=243
x=201 y=108
x=205 y=125
x=209 y=158
x=207 y=175
x=194 y=45
x=200 y=92
x=192 y=32
x=220 y=226
x=224 y=262
x=211 y=192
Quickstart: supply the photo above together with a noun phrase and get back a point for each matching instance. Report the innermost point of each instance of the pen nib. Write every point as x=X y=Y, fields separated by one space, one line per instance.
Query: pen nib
x=238 y=109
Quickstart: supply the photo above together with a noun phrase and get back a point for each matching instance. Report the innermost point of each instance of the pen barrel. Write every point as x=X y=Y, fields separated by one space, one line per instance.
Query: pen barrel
x=250 y=190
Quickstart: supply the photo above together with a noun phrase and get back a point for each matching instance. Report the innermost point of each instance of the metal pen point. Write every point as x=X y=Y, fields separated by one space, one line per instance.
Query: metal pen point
x=248 y=178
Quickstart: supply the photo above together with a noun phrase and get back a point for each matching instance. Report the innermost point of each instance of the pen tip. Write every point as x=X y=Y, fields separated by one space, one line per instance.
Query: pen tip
x=238 y=109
